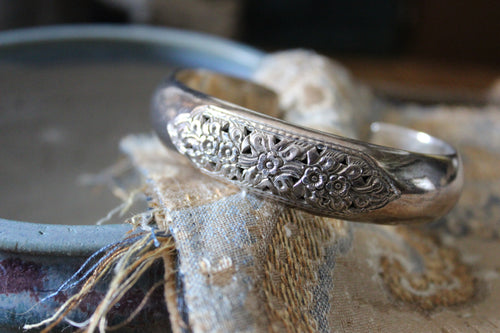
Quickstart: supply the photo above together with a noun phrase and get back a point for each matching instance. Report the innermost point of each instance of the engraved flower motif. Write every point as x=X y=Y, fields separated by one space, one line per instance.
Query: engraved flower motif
x=209 y=144
x=269 y=163
x=337 y=185
x=294 y=169
x=314 y=178
x=227 y=152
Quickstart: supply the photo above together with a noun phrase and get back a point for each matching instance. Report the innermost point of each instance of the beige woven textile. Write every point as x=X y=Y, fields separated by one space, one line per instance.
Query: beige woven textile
x=247 y=264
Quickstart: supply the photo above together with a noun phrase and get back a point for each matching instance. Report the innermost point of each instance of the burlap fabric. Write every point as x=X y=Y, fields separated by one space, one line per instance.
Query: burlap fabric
x=247 y=264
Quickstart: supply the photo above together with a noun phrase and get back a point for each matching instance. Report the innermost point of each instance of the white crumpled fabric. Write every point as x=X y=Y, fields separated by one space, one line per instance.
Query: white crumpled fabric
x=317 y=92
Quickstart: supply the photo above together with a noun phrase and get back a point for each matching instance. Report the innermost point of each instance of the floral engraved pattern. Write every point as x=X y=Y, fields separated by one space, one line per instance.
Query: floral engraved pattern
x=322 y=178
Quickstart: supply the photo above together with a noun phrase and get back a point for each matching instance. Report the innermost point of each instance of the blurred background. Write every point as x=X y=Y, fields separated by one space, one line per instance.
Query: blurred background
x=426 y=50
x=64 y=108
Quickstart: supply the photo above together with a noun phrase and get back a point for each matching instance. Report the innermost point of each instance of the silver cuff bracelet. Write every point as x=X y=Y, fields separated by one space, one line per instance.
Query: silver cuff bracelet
x=400 y=176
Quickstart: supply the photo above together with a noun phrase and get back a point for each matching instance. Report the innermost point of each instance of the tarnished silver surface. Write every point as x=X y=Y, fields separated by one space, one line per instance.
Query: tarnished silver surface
x=208 y=118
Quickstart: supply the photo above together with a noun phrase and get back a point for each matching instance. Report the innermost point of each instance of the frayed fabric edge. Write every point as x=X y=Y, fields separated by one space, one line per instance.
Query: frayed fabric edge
x=127 y=261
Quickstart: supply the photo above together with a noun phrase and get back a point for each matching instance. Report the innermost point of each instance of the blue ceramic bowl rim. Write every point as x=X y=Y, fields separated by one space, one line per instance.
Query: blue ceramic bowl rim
x=80 y=240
